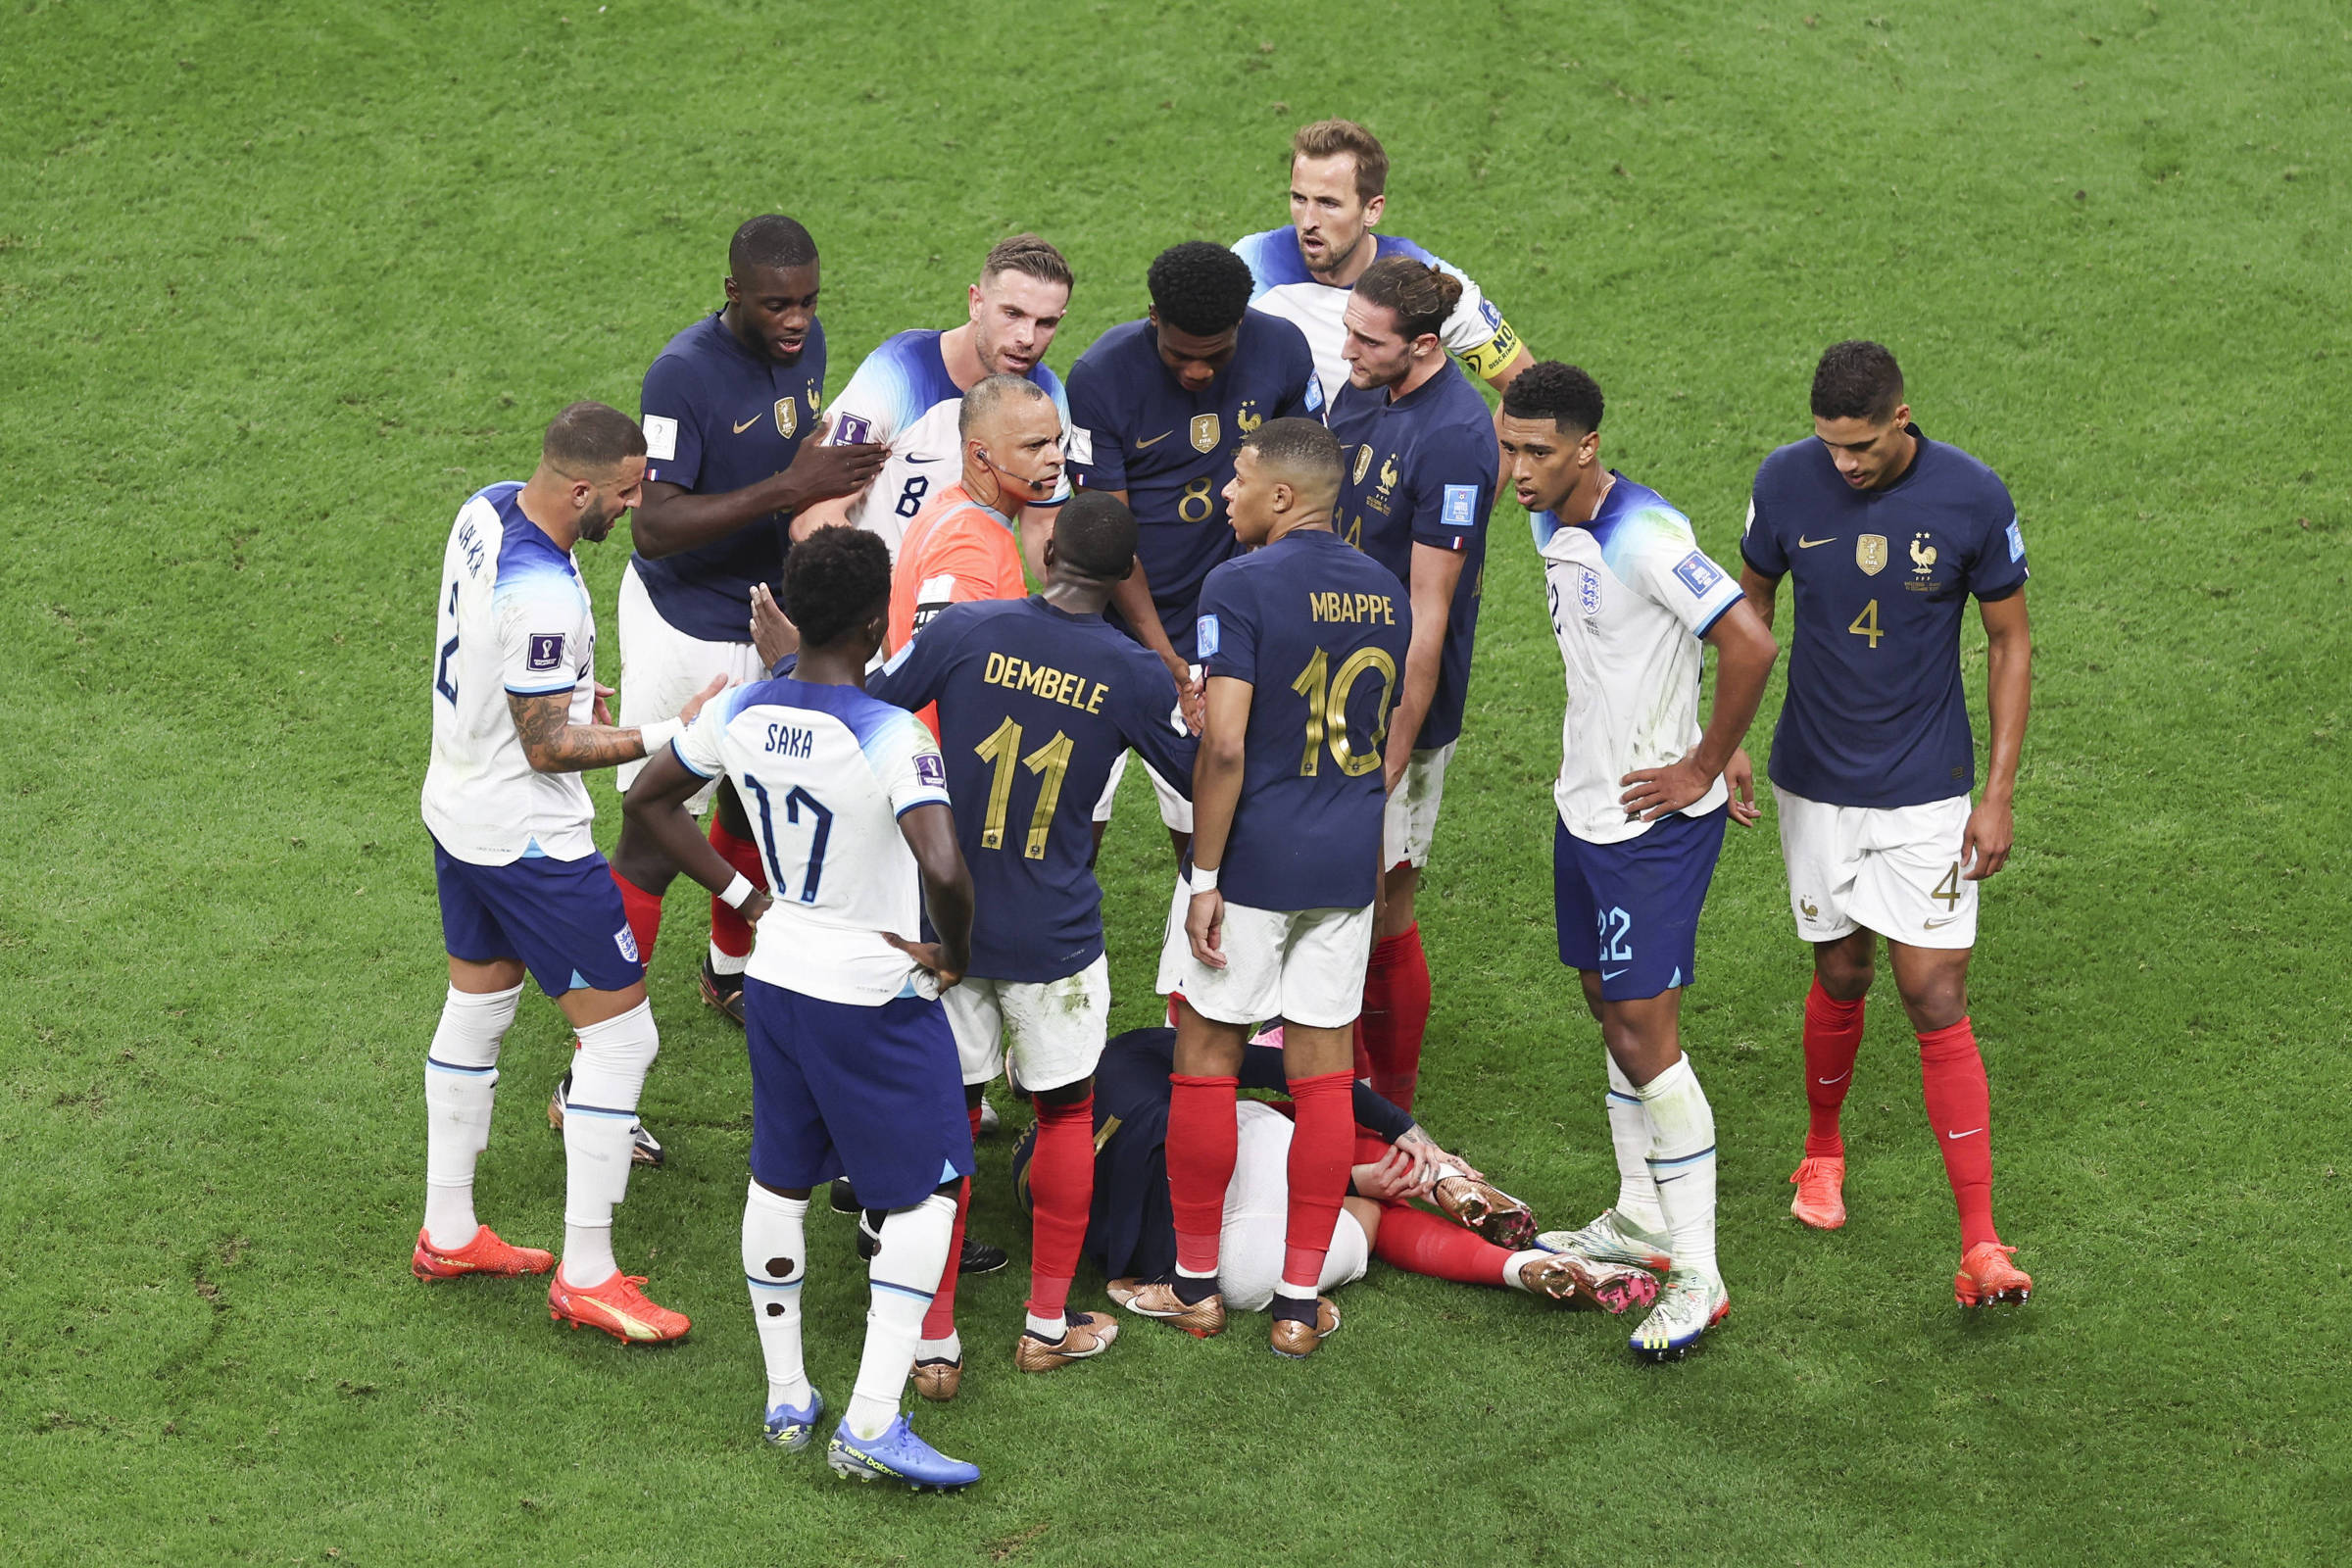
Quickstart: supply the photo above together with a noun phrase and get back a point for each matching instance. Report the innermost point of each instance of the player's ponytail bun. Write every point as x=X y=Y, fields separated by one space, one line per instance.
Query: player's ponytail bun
x=1420 y=296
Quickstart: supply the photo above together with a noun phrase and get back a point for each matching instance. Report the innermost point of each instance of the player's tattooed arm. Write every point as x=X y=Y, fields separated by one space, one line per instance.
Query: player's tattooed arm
x=553 y=744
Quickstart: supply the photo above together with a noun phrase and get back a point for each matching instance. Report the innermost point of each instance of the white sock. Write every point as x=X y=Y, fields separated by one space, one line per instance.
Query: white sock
x=949 y=1348
x=608 y=1074
x=905 y=1272
x=1681 y=1158
x=775 y=1259
x=1512 y=1264
x=1629 y=1133
x=728 y=962
x=460 y=1080
x=1049 y=1329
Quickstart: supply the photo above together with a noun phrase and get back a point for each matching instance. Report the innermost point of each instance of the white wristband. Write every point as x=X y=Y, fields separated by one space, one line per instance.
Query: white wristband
x=736 y=892
x=660 y=733
x=1203 y=879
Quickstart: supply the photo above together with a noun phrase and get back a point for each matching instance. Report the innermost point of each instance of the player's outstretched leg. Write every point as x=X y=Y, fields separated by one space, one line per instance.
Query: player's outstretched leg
x=1959 y=1104
x=1833 y=1039
x=460 y=1081
x=775 y=1262
x=1320 y=1146
x=589 y=1290
x=873 y=1442
x=1681 y=1162
x=1482 y=1206
x=1421 y=1243
x=1061 y=1188
x=1633 y=1232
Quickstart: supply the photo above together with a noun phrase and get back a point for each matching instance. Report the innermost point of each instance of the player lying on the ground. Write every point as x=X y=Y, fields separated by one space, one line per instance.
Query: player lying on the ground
x=1486 y=1237
x=853 y=1064
x=517 y=716
x=1872 y=759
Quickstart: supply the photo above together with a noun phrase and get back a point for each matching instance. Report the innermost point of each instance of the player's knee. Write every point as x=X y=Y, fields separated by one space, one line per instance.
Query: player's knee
x=473 y=1024
x=614 y=1056
x=1938 y=1003
x=1064 y=1095
x=1845 y=974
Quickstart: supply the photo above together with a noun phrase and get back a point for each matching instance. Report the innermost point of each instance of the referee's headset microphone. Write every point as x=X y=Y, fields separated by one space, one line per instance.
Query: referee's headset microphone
x=1030 y=489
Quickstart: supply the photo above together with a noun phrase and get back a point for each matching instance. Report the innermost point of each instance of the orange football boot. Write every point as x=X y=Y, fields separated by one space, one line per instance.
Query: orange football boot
x=1987 y=1276
x=618 y=1308
x=1820 y=1199
x=484 y=1254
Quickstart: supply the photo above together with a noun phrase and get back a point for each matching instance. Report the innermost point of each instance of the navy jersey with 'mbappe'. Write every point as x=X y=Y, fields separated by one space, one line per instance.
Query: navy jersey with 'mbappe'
x=1034 y=707
x=1876 y=714
x=1421 y=470
x=721 y=417
x=1319 y=631
x=1134 y=427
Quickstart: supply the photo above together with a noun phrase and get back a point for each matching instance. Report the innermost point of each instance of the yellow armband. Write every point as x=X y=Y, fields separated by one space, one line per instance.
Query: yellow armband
x=1488 y=359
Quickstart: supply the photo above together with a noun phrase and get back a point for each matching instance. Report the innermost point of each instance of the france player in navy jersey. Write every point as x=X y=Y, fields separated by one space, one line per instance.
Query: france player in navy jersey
x=1302 y=640
x=1419 y=445
x=1158 y=407
x=729 y=407
x=1887 y=535
x=1038 y=699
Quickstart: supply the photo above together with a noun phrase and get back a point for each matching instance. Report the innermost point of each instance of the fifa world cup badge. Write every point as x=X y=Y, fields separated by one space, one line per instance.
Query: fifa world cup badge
x=1870 y=553
x=788 y=418
x=1205 y=432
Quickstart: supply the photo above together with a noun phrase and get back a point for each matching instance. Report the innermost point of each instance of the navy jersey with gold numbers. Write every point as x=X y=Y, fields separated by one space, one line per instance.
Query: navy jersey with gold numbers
x=1876 y=714
x=1319 y=632
x=1134 y=427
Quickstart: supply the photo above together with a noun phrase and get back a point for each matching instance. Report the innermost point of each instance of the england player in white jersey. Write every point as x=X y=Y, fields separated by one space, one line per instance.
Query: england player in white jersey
x=1305 y=272
x=854 y=1066
x=517 y=717
x=1641 y=803
x=907 y=394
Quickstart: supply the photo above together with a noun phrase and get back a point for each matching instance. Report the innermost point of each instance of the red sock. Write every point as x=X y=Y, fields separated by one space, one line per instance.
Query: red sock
x=1951 y=1075
x=1833 y=1038
x=1202 y=1139
x=1421 y=1243
x=730 y=933
x=1318 y=1173
x=644 y=913
x=1061 y=1193
x=1395 y=1015
x=940 y=1320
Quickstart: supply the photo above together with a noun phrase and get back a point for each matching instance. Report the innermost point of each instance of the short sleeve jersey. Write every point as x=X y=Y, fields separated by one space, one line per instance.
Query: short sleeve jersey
x=1876 y=713
x=825 y=773
x=1475 y=332
x=1319 y=631
x=1134 y=427
x=1631 y=595
x=954 y=550
x=1036 y=706
x=720 y=417
x=1421 y=470
x=902 y=397
x=514 y=618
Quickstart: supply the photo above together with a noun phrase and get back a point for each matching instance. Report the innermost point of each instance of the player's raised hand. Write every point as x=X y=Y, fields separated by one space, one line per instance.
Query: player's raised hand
x=694 y=703
x=1654 y=792
x=772 y=633
x=1204 y=925
x=821 y=470
x=929 y=957
x=1740 y=775
x=1984 y=847
x=602 y=711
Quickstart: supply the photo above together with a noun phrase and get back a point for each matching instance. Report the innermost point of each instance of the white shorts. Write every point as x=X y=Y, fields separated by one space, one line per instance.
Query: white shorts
x=1257 y=1218
x=1175 y=812
x=1891 y=869
x=661 y=668
x=1054 y=1028
x=1303 y=966
x=1411 y=821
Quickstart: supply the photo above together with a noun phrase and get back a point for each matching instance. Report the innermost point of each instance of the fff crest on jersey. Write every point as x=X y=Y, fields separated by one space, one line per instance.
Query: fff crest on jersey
x=788 y=418
x=1922 y=555
x=1870 y=553
x=1364 y=464
x=1205 y=432
x=816 y=398
x=1388 y=473
x=1247 y=418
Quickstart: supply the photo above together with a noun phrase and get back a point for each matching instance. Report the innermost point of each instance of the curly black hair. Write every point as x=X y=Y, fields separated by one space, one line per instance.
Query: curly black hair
x=769 y=241
x=835 y=579
x=1200 y=287
x=1857 y=380
x=1561 y=393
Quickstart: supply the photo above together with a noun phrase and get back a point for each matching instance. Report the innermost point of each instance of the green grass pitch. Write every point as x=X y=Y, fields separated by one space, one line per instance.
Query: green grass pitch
x=280 y=285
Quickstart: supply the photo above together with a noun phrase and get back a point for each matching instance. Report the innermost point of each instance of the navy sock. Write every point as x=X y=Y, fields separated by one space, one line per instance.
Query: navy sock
x=1191 y=1292
x=1295 y=1308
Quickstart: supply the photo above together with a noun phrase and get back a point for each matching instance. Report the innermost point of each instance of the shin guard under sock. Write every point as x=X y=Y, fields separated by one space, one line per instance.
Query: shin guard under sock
x=1395 y=1015
x=1204 y=1140
x=1833 y=1038
x=1959 y=1101
x=1062 y=1191
x=1320 y=1146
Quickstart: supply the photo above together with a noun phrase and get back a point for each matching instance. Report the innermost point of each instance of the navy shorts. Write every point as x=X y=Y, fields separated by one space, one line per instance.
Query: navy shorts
x=563 y=918
x=874 y=1093
x=1629 y=911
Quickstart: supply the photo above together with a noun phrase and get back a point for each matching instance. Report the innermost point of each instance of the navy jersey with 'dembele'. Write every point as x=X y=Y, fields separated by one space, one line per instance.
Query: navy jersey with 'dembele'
x=1036 y=706
x=1421 y=470
x=1134 y=427
x=721 y=417
x=1319 y=631
x=1876 y=713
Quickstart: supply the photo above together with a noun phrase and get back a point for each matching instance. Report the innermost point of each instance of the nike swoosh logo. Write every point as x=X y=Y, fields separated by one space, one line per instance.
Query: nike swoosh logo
x=1841 y=1078
x=1946 y=920
x=918 y=459
x=1971 y=1133
x=1155 y=441
x=1803 y=543
x=1610 y=975
x=746 y=424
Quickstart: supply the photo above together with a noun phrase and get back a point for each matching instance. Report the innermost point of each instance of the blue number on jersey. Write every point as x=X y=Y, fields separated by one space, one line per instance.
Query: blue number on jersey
x=911 y=498
x=449 y=651
x=818 y=814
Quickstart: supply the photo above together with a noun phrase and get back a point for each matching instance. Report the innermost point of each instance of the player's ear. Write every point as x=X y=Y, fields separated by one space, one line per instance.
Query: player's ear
x=734 y=291
x=1373 y=209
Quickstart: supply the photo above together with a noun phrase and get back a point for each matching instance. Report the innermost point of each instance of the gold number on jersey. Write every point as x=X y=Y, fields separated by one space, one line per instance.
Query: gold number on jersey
x=1051 y=761
x=1196 y=494
x=1866 y=624
x=1327 y=710
x=1948 y=890
x=1355 y=532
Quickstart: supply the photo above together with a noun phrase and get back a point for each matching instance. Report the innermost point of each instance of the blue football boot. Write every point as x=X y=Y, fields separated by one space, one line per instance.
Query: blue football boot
x=790 y=1429
x=898 y=1455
